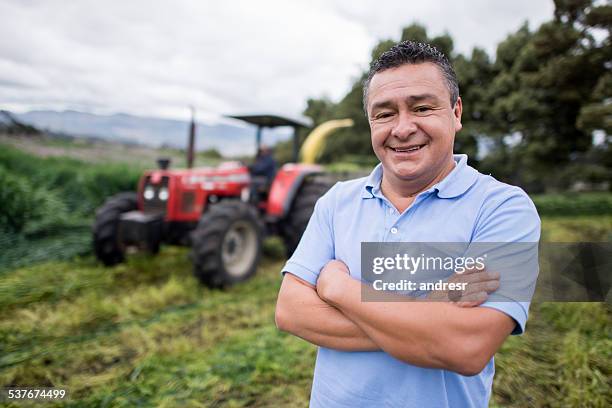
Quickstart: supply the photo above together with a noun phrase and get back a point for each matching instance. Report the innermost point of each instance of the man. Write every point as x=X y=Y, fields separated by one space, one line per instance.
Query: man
x=412 y=353
x=264 y=165
x=262 y=172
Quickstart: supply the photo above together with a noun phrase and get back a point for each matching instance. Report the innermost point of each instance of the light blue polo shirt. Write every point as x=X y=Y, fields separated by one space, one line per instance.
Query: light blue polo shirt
x=466 y=206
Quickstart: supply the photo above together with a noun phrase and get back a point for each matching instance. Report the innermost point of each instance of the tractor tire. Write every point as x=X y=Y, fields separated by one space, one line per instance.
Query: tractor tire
x=106 y=226
x=301 y=210
x=227 y=244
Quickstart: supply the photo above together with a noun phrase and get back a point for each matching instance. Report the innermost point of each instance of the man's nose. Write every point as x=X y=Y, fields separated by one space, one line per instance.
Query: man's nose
x=405 y=126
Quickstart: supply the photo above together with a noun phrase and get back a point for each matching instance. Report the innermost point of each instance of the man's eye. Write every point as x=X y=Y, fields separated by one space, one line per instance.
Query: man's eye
x=383 y=115
x=422 y=109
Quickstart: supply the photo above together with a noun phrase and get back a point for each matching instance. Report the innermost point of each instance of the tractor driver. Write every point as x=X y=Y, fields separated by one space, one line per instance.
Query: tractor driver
x=262 y=172
x=408 y=353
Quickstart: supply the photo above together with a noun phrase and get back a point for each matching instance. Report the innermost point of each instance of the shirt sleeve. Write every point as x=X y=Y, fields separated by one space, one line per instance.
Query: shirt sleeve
x=316 y=247
x=508 y=232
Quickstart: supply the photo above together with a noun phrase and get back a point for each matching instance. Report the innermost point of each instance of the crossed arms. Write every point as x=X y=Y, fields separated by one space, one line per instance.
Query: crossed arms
x=451 y=336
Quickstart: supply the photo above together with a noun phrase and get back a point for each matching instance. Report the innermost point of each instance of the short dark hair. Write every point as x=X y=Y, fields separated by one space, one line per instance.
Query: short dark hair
x=412 y=52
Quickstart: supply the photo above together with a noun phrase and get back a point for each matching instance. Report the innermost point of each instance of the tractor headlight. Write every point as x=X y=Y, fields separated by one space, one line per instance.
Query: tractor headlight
x=245 y=194
x=163 y=194
x=149 y=193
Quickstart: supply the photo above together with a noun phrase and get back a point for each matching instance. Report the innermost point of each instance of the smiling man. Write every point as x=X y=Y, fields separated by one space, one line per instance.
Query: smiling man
x=413 y=353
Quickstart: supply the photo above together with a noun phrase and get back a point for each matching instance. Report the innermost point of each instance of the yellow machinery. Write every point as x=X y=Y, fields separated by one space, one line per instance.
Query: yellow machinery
x=315 y=142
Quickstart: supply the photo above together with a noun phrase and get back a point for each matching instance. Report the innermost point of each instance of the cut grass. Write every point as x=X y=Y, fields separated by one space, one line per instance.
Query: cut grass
x=563 y=360
x=145 y=333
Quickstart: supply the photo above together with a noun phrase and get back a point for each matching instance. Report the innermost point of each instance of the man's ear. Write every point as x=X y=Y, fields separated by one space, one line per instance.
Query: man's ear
x=457 y=111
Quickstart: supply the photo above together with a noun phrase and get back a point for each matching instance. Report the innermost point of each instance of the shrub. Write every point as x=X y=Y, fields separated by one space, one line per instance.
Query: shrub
x=16 y=201
x=571 y=204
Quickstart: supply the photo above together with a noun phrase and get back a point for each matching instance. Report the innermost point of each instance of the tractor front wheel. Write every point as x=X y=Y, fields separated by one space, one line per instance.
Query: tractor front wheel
x=106 y=227
x=226 y=245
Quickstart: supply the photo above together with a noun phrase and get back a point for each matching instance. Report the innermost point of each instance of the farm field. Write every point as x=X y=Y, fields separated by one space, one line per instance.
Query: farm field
x=92 y=151
x=145 y=333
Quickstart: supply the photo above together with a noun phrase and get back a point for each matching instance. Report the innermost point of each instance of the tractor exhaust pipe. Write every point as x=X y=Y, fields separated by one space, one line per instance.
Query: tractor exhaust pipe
x=191 y=145
x=163 y=163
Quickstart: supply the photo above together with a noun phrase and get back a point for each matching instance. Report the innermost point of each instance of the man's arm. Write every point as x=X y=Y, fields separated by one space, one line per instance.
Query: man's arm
x=427 y=334
x=300 y=311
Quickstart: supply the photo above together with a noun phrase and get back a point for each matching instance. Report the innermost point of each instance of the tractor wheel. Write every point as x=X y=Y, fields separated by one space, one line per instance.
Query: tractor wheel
x=226 y=245
x=303 y=205
x=106 y=227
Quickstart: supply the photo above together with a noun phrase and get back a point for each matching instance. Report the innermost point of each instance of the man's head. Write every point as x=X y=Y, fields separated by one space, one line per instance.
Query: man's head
x=264 y=150
x=412 y=102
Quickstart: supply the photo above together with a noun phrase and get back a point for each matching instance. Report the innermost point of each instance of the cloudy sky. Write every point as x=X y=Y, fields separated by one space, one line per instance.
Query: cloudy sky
x=154 y=58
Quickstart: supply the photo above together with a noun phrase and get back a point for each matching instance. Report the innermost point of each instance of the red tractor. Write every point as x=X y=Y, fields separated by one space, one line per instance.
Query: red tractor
x=214 y=210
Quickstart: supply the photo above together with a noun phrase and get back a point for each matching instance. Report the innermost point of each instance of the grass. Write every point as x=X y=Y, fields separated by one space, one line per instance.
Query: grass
x=586 y=228
x=563 y=360
x=145 y=333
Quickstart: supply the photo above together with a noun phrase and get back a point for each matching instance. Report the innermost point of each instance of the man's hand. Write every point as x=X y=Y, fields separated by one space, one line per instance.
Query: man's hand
x=330 y=283
x=480 y=284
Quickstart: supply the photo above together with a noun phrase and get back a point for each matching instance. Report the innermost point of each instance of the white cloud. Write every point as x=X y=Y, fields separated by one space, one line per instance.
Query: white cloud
x=158 y=57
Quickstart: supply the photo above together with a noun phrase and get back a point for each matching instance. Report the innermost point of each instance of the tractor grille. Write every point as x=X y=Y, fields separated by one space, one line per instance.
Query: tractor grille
x=156 y=196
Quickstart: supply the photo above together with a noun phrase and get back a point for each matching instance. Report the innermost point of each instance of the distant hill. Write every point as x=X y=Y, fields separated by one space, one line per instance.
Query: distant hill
x=9 y=124
x=155 y=132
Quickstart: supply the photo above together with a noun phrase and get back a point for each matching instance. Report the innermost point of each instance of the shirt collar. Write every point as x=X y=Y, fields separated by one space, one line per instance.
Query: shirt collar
x=372 y=184
x=457 y=182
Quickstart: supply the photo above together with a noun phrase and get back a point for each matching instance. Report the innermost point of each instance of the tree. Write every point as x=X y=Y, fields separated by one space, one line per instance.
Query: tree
x=474 y=75
x=545 y=93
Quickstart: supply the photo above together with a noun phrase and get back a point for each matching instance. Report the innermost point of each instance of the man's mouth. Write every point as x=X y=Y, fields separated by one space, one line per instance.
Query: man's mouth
x=407 y=149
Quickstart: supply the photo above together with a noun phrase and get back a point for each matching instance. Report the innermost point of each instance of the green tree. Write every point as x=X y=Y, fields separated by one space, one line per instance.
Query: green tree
x=545 y=94
x=474 y=75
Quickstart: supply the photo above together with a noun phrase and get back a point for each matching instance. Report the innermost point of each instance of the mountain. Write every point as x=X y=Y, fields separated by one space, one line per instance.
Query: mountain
x=229 y=140
x=10 y=125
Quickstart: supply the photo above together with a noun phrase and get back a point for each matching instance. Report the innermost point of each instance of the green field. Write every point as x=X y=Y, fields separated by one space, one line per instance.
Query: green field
x=145 y=333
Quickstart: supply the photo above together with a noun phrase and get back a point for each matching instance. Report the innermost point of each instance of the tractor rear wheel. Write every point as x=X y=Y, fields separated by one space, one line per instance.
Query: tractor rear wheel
x=301 y=210
x=106 y=227
x=226 y=245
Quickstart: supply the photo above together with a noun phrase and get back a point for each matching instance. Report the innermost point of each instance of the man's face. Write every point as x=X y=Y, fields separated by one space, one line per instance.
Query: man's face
x=412 y=122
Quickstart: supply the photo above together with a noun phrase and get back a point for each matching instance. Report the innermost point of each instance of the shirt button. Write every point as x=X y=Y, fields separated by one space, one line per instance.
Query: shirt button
x=394 y=230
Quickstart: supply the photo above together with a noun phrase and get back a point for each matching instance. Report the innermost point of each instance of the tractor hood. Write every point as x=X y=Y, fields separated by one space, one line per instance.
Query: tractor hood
x=227 y=172
x=183 y=194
